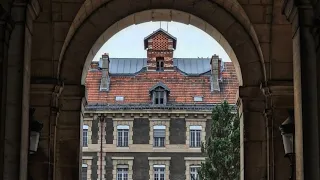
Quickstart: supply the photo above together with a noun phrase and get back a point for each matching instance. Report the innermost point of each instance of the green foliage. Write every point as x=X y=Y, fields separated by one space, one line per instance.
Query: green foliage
x=222 y=148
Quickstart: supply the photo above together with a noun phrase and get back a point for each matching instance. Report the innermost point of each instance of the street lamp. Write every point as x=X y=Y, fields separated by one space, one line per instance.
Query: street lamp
x=35 y=129
x=287 y=132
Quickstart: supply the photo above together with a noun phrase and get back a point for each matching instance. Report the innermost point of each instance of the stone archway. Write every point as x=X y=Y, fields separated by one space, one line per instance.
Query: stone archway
x=235 y=35
x=161 y=15
x=75 y=39
x=86 y=29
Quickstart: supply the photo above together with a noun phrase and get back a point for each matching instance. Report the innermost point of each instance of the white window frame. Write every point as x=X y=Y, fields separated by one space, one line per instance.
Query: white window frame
x=84 y=166
x=122 y=172
x=161 y=140
x=122 y=140
x=196 y=132
x=159 y=170
x=194 y=173
x=85 y=132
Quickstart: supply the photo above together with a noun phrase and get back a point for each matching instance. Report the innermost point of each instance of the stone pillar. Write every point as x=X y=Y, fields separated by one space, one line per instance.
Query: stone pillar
x=6 y=25
x=306 y=89
x=253 y=139
x=17 y=80
x=67 y=150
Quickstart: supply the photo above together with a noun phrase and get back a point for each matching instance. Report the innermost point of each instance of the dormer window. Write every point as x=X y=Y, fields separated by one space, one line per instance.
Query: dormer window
x=159 y=94
x=160 y=64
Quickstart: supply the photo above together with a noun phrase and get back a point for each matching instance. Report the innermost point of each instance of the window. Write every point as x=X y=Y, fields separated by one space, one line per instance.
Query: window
x=159 y=96
x=119 y=98
x=160 y=64
x=85 y=135
x=194 y=172
x=123 y=136
x=159 y=172
x=122 y=172
x=195 y=136
x=159 y=136
x=84 y=172
x=197 y=98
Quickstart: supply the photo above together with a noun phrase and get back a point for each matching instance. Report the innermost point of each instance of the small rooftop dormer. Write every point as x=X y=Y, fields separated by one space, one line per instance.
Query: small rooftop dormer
x=160 y=46
x=159 y=93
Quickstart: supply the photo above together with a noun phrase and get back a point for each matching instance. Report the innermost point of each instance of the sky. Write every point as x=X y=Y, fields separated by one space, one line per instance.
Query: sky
x=192 y=42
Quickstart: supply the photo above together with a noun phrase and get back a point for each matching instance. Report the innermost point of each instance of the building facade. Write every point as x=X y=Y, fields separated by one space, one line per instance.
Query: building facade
x=145 y=118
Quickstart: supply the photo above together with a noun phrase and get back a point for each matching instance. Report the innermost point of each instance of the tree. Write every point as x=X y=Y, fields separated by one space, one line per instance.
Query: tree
x=222 y=148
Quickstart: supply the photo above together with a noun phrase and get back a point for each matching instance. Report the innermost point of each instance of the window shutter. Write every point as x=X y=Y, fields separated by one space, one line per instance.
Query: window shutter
x=159 y=133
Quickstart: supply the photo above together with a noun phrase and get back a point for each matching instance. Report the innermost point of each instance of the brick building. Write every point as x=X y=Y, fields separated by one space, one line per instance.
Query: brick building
x=145 y=118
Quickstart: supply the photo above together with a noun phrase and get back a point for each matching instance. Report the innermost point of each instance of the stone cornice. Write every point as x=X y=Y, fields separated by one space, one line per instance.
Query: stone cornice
x=162 y=115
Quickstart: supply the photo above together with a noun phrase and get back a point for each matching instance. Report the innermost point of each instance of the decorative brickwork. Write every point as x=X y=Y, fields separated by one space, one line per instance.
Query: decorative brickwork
x=160 y=45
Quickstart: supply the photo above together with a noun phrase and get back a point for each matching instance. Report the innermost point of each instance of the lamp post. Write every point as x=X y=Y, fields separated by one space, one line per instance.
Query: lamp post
x=35 y=128
x=287 y=132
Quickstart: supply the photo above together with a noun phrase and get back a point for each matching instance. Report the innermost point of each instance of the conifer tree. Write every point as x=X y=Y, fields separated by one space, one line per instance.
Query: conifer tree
x=222 y=148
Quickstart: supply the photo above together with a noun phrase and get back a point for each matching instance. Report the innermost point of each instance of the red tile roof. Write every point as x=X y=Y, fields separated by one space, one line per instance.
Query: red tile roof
x=135 y=89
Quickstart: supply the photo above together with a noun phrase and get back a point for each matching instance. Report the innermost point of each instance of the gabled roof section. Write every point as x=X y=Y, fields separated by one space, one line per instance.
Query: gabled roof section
x=159 y=84
x=160 y=30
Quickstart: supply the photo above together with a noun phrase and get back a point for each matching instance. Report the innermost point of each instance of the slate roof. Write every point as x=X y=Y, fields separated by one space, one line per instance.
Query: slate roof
x=132 y=66
x=156 y=32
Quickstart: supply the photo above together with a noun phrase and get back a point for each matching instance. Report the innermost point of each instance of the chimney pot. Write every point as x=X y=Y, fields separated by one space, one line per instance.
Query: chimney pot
x=104 y=61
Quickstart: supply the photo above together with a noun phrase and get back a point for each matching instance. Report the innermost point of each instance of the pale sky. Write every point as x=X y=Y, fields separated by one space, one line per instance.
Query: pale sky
x=191 y=42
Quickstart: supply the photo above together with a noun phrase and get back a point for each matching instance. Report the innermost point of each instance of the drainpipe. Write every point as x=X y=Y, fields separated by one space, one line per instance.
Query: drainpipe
x=101 y=135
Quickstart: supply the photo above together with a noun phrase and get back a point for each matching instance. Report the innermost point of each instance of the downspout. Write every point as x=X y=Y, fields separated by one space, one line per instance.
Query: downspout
x=101 y=149
x=270 y=130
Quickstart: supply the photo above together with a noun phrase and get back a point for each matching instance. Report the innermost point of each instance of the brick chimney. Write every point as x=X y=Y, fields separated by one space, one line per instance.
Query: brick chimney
x=215 y=73
x=105 y=78
x=160 y=46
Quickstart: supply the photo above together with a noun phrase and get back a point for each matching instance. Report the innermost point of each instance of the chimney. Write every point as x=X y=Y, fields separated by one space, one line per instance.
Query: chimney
x=215 y=73
x=105 y=78
x=94 y=65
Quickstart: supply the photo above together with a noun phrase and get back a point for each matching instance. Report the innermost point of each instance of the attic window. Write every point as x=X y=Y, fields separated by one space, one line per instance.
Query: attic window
x=159 y=96
x=119 y=98
x=160 y=64
x=197 y=98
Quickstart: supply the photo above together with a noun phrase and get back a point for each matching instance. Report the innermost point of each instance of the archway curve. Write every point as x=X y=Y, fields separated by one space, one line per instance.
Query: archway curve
x=161 y=15
x=85 y=31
